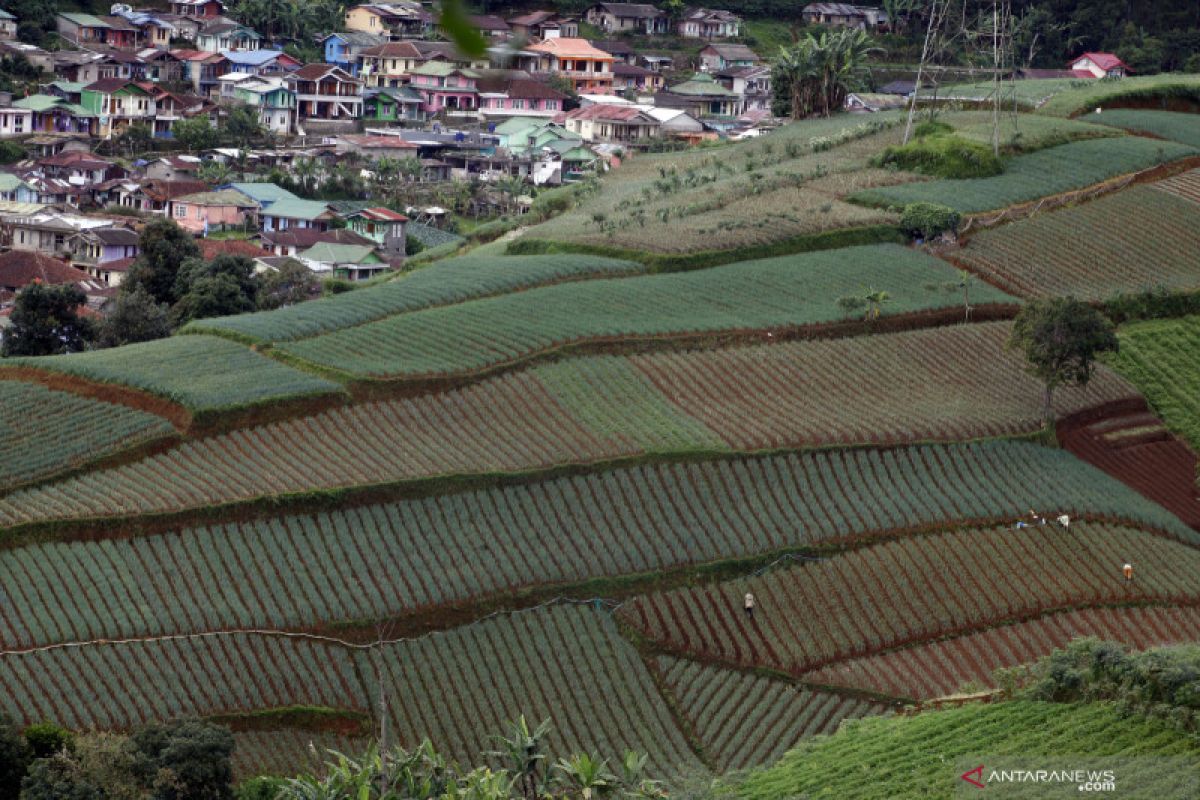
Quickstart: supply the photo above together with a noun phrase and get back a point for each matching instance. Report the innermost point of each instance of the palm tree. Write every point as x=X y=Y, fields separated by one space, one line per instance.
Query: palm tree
x=214 y=173
x=523 y=749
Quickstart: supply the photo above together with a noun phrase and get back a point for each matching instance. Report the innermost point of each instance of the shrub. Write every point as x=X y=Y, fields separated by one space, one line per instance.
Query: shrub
x=931 y=127
x=264 y=787
x=928 y=220
x=942 y=156
x=46 y=738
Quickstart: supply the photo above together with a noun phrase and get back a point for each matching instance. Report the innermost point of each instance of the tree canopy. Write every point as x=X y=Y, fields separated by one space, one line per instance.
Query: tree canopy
x=45 y=322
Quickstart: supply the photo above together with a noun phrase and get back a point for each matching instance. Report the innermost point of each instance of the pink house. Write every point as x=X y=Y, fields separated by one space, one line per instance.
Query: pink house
x=1098 y=65
x=445 y=87
x=515 y=94
x=203 y=212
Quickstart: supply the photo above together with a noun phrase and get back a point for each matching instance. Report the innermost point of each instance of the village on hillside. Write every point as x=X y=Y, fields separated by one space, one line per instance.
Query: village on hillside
x=123 y=126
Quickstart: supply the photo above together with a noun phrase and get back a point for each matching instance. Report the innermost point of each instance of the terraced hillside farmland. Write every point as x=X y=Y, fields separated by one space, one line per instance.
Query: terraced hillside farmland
x=204 y=374
x=920 y=757
x=1068 y=97
x=44 y=432
x=777 y=293
x=1163 y=358
x=1185 y=185
x=1131 y=241
x=501 y=543
x=744 y=720
x=1031 y=177
x=539 y=664
x=913 y=590
x=887 y=389
x=452 y=281
x=1172 y=125
x=969 y=662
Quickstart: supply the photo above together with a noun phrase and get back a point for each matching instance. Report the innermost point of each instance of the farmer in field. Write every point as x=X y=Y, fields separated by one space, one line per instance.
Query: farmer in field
x=1128 y=570
x=749 y=605
x=1064 y=520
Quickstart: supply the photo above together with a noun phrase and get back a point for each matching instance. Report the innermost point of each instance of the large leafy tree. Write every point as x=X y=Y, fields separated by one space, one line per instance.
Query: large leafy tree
x=1060 y=338
x=45 y=322
x=164 y=247
x=813 y=76
x=220 y=287
x=14 y=758
x=135 y=317
x=185 y=760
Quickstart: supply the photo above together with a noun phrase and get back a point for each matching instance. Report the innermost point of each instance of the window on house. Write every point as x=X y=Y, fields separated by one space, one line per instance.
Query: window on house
x=180 y=210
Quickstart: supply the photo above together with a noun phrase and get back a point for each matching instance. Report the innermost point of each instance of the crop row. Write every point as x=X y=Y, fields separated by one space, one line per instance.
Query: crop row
x=881 y=389
x=917 y=385
x=451 y=281
x=1173 y=125
x=1185 y=185
x=458 y=688
x=749 y=295
x=900 y=592
x=1162 y=357
x=922 y=756
x=744 y=720
x=43 y=432
x=126 y=685
x=289 y=752
x=942 y=668
x=200 y=373
x=1129 y=241
x=288 y=572
x=1029 y=177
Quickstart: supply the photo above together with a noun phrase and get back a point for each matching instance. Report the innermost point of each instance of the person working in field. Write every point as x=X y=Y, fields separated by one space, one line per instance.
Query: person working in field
x=1128 y=571
x=749 y=605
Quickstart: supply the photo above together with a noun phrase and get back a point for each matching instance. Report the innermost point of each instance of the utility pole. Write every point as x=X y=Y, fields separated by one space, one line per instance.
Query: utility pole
x=995 y=80
x=912 y=106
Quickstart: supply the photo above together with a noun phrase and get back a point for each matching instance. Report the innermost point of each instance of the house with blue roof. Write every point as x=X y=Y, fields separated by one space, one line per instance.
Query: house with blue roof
x=342 y=48
x=265 y=194
x=260 y=62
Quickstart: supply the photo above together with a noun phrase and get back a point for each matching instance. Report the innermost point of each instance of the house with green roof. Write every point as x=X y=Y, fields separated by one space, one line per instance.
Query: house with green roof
x=15 y=190
x=262 y=193
x=203 y=212
x=354 y=262
x=119 y=103
x=446 y=87
x=701 y=96
x=81 y=28
x=401 y=104
x=51 y=114
x=292 y=212
x=8 y=25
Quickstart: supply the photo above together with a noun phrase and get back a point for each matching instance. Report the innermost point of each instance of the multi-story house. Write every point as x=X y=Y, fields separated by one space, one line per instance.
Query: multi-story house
x=8 y=25
x=705 y=23
x=389 y=65
x=46 y=232
x=170 y=107
x=510 y=94
x=15 y=122
x=79 y=167
x=152 y=30
x=292 y=212
x=227 y=35
x=588 y=68
x=543 y=25
x=203 y=212
x=342 y=49
x=119 y=104
x=396 y=20
x=203 y=70
x=260 y=62
x=447 y=88
x=389 y=105
x=631 y=78
x=753 y=84
x=325 y=93
x=198 y=8
x=98 y=246
x=161 y=66
x=635 y=17
x=274 y=100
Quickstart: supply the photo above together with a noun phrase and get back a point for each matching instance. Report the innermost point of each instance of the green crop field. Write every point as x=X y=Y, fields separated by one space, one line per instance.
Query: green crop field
x=921 y=757
x=1138 y=239
x=784 y=292
x=1185 y=185
x=201 y=373
x=43 y=432
x=452 y=281
x=287 y=752
x=912 y=590
x=495 y=542
x=1042 y=174
x=536 y=659
x=744 y=720
x=942 y=668
x=1066 y=97
x=1162 y=357
x=872 y=390
x=1176 y=126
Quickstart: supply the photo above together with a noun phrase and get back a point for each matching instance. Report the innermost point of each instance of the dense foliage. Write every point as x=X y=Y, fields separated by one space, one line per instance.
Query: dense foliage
x=942 y=156
x=813 y=76
x=46 y=321
x=929 y=220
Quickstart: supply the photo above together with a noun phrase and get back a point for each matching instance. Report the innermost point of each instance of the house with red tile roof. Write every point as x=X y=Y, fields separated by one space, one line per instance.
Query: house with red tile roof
x=1098 y=65
x=587 y=67
x=613 y=123
x=19 y=268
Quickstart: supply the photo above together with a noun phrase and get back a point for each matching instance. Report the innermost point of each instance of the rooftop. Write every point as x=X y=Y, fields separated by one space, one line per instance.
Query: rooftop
x=570 y=48
x=331 y=253
x=225 y=197
x=19 y=268
x=295 y=208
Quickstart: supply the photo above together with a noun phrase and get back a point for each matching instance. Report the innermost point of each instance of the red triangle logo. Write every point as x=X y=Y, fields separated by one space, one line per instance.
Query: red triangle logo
x=976 y=781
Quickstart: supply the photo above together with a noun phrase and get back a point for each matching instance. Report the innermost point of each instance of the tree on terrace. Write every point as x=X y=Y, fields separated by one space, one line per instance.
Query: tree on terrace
x=45 y=322
x=164 y=247
x=813 y=76
x=185 y=760
x=196 y=133
x=1060 y=338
